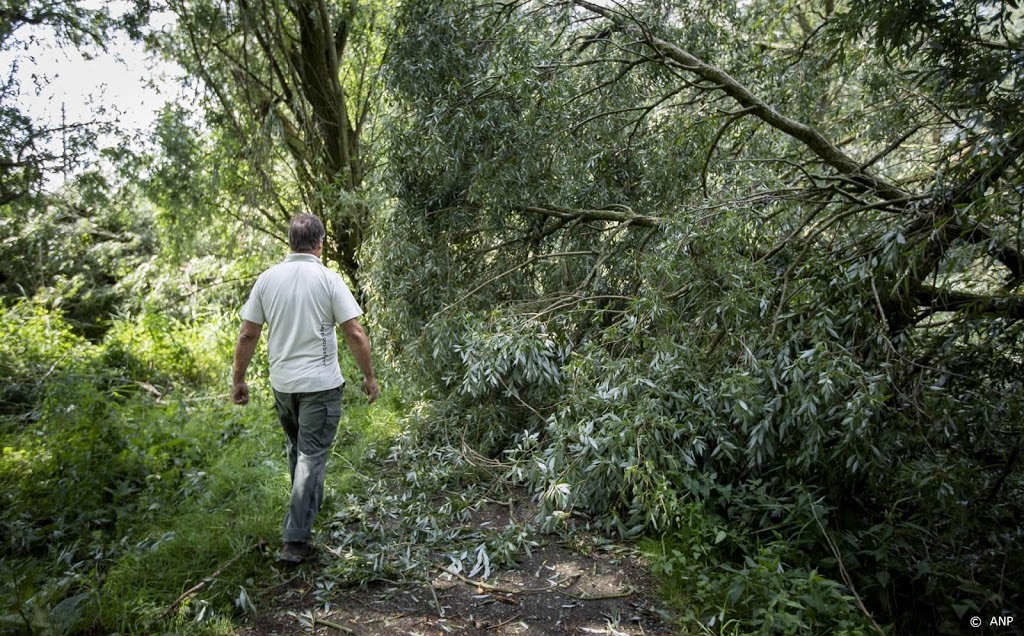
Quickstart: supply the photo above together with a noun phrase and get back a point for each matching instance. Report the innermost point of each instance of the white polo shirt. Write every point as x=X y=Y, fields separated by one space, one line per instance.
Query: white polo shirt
x=301 y=301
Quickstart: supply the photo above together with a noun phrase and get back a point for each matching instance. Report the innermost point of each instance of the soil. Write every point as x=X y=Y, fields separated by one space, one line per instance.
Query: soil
x=559 y=588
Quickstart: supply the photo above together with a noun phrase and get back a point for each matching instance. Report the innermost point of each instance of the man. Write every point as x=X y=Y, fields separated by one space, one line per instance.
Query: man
x=301 y=301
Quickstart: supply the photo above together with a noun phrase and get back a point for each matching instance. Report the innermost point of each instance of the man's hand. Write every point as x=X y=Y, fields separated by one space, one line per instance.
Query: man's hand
x=248 y=338
x=359 y=345
x=240 y=393
x=371 y=389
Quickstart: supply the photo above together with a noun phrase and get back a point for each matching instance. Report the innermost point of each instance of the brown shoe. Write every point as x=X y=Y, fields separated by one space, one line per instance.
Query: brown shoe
x=295 y=552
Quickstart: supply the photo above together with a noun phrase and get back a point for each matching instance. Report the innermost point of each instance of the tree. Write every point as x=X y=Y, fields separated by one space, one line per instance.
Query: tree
x=25 y=155
x=750 y=255
x=293 y=93
x=67 y=244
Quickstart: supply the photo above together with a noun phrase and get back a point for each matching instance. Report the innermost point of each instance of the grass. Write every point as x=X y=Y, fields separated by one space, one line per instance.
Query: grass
x=227 y=517
x=123 y=513
x=167 y=520
x=229 y=526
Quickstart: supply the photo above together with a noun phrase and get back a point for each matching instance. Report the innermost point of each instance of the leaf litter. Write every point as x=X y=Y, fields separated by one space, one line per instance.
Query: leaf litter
x=439 y=544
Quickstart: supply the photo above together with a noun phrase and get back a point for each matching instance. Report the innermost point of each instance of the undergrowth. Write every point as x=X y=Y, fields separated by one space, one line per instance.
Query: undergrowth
x=135 y=505
x=722 y=579
x=99 y=476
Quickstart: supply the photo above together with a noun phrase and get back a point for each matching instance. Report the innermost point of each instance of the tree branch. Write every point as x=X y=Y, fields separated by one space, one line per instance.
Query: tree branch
x=809 y=136
x=618 y=216
x=526 y=263
x=939 y=300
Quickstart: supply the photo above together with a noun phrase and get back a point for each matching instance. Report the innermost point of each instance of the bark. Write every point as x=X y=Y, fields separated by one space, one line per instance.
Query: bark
x=940 y=300
x=294 y=73
x=318 y=63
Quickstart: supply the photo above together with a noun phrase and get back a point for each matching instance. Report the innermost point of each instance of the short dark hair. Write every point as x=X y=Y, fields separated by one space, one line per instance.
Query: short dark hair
x=305 y=233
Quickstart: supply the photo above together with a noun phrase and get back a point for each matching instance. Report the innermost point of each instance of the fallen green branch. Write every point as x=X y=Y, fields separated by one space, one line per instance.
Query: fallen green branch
x=201 y=584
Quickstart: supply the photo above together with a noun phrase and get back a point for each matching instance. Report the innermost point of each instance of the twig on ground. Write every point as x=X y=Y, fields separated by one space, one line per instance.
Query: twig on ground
x=332 y=624
x=200 y=585
x=381 y=619
x=437 y=604
x=505 y=622
x=277 y=585
x=504 y=590
x=622 y=593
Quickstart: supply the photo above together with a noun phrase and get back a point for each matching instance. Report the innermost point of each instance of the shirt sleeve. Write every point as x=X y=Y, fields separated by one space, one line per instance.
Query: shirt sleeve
x=252 y=310
x=344 y=304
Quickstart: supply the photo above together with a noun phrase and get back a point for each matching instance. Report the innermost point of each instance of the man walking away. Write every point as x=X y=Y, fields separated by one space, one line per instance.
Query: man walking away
x=300 y=300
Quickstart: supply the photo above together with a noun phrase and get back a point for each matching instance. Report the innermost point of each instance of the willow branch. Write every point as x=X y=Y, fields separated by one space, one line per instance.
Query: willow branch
x=517 y=266
x=722 y=81
x=940 y=300
x=618 y=216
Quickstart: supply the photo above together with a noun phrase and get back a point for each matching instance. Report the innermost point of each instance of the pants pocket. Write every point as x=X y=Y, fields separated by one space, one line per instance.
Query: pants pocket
x=318 y=425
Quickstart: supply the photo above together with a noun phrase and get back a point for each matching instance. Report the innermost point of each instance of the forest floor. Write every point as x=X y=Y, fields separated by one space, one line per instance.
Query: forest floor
x=563 y=586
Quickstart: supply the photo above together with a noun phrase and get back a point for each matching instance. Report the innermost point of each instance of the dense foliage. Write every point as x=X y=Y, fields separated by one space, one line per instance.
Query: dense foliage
x=752 y=265
x=739 y=280
x=117 y=293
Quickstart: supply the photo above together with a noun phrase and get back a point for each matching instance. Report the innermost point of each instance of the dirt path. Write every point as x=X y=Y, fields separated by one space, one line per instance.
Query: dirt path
x=557 y=589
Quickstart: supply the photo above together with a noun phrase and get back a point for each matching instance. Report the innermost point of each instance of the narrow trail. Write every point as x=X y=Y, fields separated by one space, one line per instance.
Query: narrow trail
x=559 y=588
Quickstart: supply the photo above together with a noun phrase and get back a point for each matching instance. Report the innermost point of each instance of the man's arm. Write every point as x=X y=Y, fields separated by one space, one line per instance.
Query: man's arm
x=359 y=344
x=248 y=338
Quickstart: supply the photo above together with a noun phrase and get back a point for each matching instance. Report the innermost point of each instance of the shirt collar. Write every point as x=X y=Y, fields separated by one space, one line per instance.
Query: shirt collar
x=308 y=258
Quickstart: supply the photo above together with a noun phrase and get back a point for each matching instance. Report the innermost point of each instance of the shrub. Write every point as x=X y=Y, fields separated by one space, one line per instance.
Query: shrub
x=37 y=348
x=161 y=350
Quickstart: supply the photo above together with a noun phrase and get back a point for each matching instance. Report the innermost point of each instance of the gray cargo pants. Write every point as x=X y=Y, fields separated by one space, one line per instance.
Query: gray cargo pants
x=310 y=422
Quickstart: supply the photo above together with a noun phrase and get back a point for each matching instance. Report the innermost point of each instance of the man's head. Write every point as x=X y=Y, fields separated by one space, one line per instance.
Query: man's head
x=305 y=233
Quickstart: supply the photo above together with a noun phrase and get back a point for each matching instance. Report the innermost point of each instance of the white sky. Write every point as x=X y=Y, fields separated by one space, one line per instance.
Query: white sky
x=123 y=85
